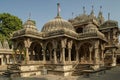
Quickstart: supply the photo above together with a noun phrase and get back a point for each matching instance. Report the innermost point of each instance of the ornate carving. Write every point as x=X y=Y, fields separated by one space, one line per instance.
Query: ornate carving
x=70 y=44
x=27 y=43
x=63 y=43
x=96 y=45
x=90 y=48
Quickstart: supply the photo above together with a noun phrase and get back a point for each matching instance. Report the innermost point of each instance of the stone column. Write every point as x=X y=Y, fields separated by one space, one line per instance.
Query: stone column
x=27 y=55
x=63 y=45
x=113 y=58
x=69 y=50
x=44 y=57
x=96 y=57
x=27 y=44
x=90 y=50
x=55 y=57
x=90 y=58
x=77 y=55
x=8 y=60
x=63 y=55
x=102 y=55
x=69 y=55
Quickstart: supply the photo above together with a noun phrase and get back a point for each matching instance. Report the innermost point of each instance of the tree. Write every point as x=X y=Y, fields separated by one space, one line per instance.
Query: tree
x=8 y=24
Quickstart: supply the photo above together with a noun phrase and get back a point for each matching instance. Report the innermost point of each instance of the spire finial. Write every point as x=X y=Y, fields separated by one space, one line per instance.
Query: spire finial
x=92 y=7
x=58 y=9
x=72 y=14
x=108 y=16
x=92 y=12
x=29 y=16
x=84 y=10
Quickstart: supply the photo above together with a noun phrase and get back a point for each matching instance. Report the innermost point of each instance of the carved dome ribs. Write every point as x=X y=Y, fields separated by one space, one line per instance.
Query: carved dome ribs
x=57 y=24
x=30 y=24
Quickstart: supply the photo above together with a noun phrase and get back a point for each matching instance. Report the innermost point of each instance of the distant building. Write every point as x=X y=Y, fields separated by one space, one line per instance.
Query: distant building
x=6 y=56
x=63 y=46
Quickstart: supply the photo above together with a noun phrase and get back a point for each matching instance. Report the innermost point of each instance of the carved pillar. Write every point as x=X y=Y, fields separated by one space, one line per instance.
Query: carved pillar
x=96 y=56
x=27 y=55
x=55 y=51
x=113 y=58
x=44 y=57
x=69 y=50
x=63 y=43
x=63 y=55
x=102 y=52
x=90 y=50
x=27 y=44
x=69 y=55
x=55 y=57
x=8 y=60
x=77 y=55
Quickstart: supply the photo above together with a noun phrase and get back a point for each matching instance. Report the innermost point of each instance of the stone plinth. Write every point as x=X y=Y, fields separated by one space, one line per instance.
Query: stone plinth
x=59 y=69
x=30 y=70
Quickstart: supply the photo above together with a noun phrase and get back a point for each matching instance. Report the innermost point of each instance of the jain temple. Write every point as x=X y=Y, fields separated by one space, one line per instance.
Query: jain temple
x=78 y=46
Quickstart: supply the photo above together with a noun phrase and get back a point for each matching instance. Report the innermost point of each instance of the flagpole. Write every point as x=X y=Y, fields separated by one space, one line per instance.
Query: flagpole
x=58 y=9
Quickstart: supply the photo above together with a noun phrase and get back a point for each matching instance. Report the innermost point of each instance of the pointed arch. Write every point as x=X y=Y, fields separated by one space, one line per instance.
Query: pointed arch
x=84 y=52
x=36 y=51
x=49 y=51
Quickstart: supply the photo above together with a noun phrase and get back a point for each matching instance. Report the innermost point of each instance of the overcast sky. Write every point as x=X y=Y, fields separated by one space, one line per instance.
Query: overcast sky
x=44 y=10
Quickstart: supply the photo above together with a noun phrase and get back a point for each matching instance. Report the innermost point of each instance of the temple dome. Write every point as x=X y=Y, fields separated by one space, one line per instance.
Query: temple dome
x=56 y=24
x=30 y=24
x=90 y=28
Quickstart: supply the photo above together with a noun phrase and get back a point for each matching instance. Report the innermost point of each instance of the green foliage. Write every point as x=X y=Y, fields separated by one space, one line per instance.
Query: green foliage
x=8 y=24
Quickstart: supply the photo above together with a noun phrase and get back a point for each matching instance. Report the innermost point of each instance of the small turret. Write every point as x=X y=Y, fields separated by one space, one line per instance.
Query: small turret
x=100 y=16
x=5 y=44
x=92 y=12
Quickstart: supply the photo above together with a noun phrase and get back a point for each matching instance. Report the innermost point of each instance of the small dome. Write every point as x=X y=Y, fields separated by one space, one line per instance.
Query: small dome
x=82 y=18
x=29 y=24
x=110 y=23
x=56 y=24
x=90 y=28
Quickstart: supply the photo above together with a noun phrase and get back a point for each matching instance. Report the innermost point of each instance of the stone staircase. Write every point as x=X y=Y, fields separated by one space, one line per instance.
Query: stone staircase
x=78 y=70
x=12 y=71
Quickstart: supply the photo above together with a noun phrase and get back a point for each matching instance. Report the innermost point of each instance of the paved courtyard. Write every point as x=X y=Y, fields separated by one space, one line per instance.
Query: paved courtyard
x=113 y=74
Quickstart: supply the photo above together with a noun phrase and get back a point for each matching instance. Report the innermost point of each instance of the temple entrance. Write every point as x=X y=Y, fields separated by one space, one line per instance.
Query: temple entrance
x=36 y=52
x=85 y=54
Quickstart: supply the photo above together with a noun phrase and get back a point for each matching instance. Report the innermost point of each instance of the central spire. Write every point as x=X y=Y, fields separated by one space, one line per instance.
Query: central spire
x=92 y=12
x=84 y=10
x=58 y=9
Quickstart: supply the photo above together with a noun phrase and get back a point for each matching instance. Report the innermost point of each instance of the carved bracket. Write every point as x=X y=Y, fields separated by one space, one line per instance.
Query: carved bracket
x=70 y=44
x=27 y=43
x=63 y=43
